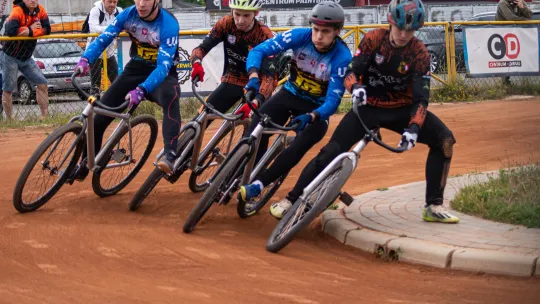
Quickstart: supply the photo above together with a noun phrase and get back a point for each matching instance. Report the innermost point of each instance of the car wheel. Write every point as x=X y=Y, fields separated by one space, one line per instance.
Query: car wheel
x=25 y=92
x=435 y=62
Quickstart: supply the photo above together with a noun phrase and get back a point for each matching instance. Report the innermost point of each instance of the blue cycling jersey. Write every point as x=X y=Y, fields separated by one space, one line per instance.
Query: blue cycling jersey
x=155 y=43
x=314 y=76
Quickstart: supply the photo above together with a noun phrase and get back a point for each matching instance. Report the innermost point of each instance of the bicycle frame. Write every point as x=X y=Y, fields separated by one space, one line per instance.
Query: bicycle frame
x=253 y=141
x=87 y=119
x=198 y=124
x=250 y=173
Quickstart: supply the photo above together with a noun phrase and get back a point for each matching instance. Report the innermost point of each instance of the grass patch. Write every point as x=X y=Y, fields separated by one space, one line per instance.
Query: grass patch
x=497 y=89
x=382 y=189
x=53 y=120
x=513 y=197
x=188 y=109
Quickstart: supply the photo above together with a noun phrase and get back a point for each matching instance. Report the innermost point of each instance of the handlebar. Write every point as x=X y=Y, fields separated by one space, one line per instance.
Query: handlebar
x=95 y=101
x=249 y=98
x=209 y=106
x=375 y=138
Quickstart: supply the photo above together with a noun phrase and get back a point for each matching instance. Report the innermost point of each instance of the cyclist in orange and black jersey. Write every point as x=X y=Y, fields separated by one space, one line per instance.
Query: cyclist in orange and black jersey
x=239 y=32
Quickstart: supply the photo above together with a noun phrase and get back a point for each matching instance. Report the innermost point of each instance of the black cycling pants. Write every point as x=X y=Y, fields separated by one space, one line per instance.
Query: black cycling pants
x=434 y=133
x=224 y=97
x=280 y=107
x=166 y=95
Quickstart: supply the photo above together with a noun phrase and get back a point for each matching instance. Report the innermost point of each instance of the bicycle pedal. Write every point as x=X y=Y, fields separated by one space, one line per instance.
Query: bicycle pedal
x=346 y=198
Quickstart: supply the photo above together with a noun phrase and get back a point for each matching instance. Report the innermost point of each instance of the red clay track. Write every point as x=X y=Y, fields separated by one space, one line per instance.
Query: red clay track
x=79 y=248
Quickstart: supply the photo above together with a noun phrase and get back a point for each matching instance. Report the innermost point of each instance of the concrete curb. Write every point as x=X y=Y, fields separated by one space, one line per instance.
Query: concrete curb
x=411 y=250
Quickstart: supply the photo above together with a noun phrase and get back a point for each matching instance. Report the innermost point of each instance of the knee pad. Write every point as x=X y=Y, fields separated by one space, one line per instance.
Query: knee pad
x=448 y=145
x=327 y=154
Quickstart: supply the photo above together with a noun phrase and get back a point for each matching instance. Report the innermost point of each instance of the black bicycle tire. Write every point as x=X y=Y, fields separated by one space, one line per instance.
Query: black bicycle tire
x=241 y=206
x=207 y=200
x=96 y=178
x=156 y=175
x=194 y=186
x=32 y=161
x=276 y=245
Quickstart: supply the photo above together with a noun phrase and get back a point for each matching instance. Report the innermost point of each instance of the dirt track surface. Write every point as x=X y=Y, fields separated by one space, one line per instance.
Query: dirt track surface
x=82 y=249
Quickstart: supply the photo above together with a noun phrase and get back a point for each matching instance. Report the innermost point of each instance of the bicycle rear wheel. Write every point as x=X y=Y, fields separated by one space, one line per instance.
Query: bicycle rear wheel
x=153 y=179
x=212 y=193
x=113 y=177
x=198 y=181
x=303 y=212
x=48 y=168
x=251 y=207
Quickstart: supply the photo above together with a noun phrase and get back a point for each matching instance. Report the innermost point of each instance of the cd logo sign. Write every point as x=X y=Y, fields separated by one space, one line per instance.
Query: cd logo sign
x=500 y=47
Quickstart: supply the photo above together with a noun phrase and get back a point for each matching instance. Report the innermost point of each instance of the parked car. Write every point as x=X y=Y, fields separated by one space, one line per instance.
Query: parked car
x=57 y=59
x=435 y=41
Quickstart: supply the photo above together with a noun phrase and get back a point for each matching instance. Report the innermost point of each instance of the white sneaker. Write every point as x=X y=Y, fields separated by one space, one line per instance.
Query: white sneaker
x=279 y=209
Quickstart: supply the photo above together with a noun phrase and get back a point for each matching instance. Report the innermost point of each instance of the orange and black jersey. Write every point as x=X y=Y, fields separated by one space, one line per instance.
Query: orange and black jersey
x=237 y=44
x=394 y=77
x=19 y=20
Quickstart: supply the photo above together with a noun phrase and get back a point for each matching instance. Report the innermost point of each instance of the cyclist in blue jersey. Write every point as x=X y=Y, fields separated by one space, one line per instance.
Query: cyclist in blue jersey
x=312 y=93
x=151 y=72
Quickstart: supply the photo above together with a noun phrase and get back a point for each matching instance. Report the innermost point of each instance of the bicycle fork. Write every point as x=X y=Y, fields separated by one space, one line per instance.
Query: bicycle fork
x=353 y=155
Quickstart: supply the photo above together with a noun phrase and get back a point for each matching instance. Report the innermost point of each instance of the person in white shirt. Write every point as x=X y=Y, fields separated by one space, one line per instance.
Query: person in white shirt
x=101 y=15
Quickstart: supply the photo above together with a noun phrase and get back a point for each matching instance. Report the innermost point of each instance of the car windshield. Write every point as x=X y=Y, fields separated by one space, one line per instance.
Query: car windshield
x=57 y=50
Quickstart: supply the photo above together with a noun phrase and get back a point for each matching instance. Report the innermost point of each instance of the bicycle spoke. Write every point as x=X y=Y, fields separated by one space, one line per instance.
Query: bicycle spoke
x=224 y=149
x=309 y=202
x=46 y=171
x=110 y=177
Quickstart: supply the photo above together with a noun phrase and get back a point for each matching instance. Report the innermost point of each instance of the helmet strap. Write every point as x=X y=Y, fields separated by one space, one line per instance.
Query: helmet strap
x=154 y=7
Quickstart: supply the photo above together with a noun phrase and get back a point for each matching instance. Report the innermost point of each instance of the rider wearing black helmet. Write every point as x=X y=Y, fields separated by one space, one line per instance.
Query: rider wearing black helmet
x=313 y=92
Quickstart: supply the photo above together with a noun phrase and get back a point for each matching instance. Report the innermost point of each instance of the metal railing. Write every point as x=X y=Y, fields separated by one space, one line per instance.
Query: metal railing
x=56 y=56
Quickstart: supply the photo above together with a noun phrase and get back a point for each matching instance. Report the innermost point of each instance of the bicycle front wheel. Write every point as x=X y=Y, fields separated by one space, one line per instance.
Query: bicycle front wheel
x=251 y=207
x=153 y=179
x=198 y=181
x=48 y=168
x=303 y=212
x=212 y=193
x=115 y=171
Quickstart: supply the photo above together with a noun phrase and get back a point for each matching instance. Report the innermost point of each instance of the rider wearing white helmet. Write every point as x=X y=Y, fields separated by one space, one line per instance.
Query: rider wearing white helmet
x=239 y=32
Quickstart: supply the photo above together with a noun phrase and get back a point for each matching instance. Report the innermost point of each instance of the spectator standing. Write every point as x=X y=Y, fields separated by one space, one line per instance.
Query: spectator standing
x=101 y=15
x=27 y=19
x=513 y=10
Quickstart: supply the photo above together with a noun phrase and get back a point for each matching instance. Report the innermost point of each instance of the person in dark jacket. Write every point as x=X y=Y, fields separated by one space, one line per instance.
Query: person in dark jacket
x=27 y=19
x=513 y=10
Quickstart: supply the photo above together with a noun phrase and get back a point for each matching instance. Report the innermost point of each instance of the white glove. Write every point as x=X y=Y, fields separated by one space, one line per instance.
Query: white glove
x=359 y=94
x=408 y=138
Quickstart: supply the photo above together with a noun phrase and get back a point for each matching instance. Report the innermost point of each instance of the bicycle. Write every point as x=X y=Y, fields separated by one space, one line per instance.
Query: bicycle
x=116 y=155
x=237 y=169
x=203 y=165
x=324 y=190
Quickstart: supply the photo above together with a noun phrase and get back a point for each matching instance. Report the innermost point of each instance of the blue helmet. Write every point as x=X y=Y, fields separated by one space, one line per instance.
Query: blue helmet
x=406 y=14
